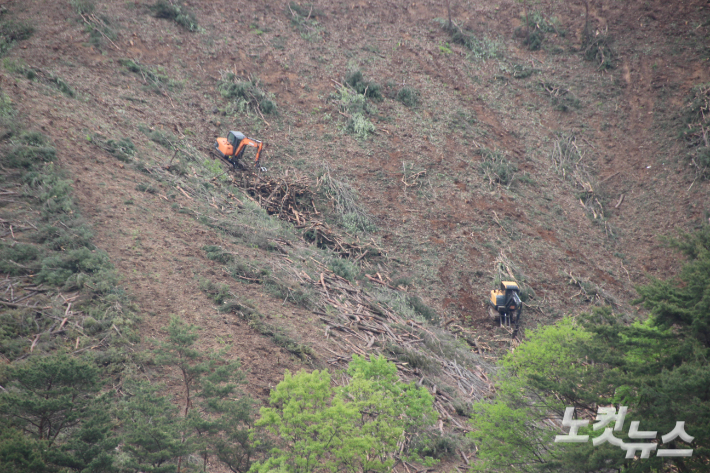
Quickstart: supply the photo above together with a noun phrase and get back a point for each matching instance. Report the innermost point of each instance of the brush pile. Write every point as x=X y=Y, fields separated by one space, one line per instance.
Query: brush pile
x=293 y=200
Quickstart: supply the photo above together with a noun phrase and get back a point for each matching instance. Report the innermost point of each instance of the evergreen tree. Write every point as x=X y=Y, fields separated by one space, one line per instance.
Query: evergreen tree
x=54 y=401
x=213 y=417
x=152 y=430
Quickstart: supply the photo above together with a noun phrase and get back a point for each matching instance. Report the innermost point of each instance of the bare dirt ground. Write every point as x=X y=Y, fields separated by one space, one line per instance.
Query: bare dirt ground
x=444 y=230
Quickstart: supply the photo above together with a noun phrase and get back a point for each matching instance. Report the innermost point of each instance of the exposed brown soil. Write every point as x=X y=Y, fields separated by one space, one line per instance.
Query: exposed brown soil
x=445 y=230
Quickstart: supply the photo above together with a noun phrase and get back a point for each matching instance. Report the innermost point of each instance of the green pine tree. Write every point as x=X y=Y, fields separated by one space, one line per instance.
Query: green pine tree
x=55 y=402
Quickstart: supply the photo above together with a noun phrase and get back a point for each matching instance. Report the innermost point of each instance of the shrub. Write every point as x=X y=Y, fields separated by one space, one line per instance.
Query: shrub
x=496 y=167
x=14 y=259
x=481 y=49
x=16 y=31
x=176 y=12
x=371 y=90
x=217 y=253
x=344 y=268
x=246 y=95
x=536 y=26
x=561 y=99
x=166 y=140
x=83 y=7
x=21 y=156
x=303 y=17
x=145 y=187
x=122 y=149
x=408 y=97
x=154 y=77
x=599 y=49
x=422 y=309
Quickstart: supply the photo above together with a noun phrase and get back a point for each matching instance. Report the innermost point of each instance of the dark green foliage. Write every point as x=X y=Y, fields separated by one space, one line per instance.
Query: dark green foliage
x=83 y=7
x=72 y=267
x=245 y=95
x=213 y=417
x=71 y=233
x=413 y=359
x=11 y=32
x=145 y=187
x=432 y=443
x=34 y=138
x=165 y=139
x=408 y=96
x=54 y=401
x=534 y=39
x=251 y=272
x=522 y=72
x=153 y=77
x=290 y=291
x=58 y=252
x=228 y=304
x=535 y=27
x=33 y=148
x=17 y=259
x=599 y=49
x=152 y=429
x=344 y=268
x=371 y=90
x=62 y=86
x=304 y=17
x=16 y=31
x=175 y=10
x=20 y=454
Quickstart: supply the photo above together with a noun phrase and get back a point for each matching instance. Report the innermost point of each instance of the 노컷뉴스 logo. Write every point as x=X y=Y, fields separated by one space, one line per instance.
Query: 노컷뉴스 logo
x=607 y=414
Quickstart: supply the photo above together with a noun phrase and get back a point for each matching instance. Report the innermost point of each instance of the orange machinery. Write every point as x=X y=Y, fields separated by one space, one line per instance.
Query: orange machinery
x=232 y=147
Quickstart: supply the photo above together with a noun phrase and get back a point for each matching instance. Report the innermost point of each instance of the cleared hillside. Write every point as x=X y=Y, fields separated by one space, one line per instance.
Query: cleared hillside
x=413 y=164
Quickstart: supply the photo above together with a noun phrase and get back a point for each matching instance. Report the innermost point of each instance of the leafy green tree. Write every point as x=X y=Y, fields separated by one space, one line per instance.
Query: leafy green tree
x=353 y=428
x=388 y=408
x=658 y=367
x=310 y=420
x=55 y=402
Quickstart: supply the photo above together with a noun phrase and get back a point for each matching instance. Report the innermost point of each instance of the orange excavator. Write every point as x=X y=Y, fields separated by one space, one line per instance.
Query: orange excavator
x=232 y=148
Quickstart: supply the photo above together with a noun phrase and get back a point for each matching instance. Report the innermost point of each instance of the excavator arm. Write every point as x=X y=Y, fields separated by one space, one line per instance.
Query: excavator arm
x=249 y=142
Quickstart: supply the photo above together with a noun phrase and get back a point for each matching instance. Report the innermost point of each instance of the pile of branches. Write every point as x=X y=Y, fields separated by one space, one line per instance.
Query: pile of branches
x=292 y=200
x=287 y=199
x=360 y=324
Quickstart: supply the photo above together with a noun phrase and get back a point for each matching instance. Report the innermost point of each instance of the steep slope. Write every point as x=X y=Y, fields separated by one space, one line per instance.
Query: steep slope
x=535 y=165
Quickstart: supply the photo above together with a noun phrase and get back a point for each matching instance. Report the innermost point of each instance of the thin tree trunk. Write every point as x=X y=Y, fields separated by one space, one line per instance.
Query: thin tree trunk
x=448 y=10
